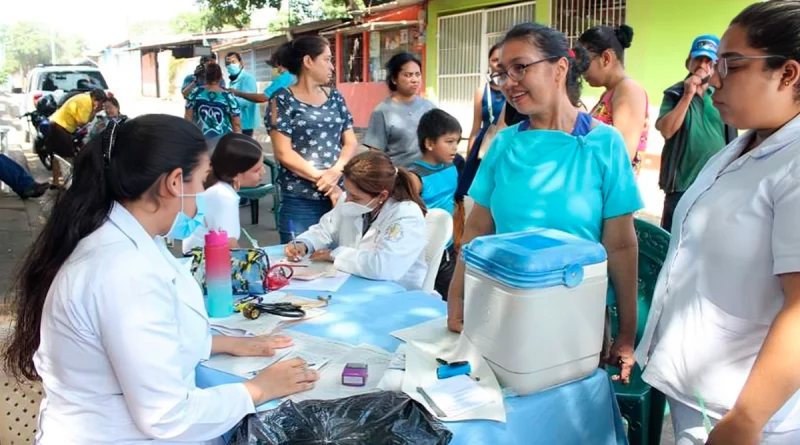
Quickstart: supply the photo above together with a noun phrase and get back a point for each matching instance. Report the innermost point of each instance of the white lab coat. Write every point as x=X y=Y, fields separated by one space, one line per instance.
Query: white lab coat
x=393 y=249
x=123 y=328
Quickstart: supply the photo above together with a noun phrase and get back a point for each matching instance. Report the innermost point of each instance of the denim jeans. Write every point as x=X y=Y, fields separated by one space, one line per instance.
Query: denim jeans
x=303 y=213
x=14 y=175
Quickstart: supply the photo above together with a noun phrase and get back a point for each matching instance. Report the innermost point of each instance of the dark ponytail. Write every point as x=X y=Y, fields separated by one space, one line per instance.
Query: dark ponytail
x=553 y=44
x=374 y=172
x=600 y=38
x=291 y=54
x=404 y=190
x=235 y=153
x=122 y=164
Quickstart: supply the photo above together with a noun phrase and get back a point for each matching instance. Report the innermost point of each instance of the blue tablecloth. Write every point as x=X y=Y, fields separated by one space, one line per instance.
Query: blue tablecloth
x=581 y=413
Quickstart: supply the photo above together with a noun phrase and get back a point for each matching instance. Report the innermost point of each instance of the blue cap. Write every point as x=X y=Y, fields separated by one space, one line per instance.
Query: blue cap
x=705 y=46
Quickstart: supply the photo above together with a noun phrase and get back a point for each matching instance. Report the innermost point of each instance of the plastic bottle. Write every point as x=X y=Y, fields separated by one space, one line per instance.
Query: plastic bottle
x=218 y=274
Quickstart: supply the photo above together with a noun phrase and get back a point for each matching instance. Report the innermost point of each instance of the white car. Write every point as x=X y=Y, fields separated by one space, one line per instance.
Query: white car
x=58 y=80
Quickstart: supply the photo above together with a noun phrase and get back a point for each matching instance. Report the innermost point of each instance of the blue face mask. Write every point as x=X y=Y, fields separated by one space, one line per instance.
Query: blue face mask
x=285 y=80
x=234 y=69
x=183 y=227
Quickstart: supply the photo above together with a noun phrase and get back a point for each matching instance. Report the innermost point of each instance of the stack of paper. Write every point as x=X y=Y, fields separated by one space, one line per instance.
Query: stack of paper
x=455 y=396
x=431 y=340
x=329 y=357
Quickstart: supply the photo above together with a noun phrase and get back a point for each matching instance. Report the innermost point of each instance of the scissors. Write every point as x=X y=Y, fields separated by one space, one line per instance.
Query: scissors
x=290 y=310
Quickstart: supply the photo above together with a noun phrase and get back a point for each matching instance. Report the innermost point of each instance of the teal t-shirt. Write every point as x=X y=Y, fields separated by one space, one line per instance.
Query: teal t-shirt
x=247 y=83
x=554 y=180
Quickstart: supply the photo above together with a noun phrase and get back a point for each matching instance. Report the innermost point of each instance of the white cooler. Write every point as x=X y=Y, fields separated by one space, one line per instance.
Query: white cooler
x=535 y=306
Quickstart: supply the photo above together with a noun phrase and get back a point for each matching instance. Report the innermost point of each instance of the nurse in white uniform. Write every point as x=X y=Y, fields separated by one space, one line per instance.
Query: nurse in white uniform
x=377 y=230
x=110 y=321
x=723 y=331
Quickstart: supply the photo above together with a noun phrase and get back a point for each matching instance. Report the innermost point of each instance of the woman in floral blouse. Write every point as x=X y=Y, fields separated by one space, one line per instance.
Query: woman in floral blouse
x=312 y=135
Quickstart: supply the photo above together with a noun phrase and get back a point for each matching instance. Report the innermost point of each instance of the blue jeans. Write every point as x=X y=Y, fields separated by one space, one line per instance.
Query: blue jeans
x=303 y=213
x=14 y=175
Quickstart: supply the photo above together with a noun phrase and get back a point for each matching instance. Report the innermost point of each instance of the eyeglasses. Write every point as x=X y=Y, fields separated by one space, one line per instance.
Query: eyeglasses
x=515 y=72
x=721 y=67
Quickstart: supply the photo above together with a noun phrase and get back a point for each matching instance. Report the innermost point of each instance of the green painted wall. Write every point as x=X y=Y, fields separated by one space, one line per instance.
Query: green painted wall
x=438 y=8
x=663 y=33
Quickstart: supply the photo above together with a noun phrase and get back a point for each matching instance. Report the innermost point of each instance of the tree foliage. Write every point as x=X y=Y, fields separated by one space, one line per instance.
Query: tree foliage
x=27 y=44
x=293 y=12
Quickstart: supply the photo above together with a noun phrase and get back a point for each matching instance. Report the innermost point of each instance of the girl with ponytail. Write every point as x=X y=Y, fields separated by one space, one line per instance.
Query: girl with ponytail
x=377 y=230
x=624 y=104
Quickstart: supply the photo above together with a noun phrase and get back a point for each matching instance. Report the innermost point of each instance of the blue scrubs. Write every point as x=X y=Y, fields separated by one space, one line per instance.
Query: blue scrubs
x=557 y=180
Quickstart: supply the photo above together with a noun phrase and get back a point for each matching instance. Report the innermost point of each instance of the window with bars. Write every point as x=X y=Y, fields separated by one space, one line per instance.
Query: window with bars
x=353 y=58
x=385 y=44
x=573 y=17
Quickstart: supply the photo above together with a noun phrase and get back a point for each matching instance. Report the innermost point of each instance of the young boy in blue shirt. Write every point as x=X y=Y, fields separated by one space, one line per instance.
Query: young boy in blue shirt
x=436 y=177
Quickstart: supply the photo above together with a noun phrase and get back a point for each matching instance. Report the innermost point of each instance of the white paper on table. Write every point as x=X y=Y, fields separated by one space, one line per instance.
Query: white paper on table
x=238 y=325
x=421 y=367
x=327 y=284
x=431 y=336
x=246 y=367
x=329 y=386
x=457 y=395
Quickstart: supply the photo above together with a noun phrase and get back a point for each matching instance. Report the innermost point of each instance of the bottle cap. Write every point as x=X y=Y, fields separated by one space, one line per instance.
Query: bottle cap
x=216 y=238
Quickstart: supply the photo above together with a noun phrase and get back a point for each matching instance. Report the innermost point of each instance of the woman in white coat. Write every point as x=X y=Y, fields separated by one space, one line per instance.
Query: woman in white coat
x=377 y=230
x=110 y=321
x=722 y=333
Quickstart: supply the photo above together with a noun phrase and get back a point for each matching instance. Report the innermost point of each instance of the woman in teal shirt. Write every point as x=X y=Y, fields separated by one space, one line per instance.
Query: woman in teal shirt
x=558 y=169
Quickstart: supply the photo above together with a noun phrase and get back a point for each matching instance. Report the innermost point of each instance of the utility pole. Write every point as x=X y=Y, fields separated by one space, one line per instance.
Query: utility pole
x=52 y=45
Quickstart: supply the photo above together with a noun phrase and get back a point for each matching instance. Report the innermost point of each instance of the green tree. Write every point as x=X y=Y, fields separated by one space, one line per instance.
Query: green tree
x=27 y=45
x=238 y=12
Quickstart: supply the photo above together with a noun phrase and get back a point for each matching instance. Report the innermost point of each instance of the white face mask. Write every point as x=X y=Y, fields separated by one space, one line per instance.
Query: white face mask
x=353 y=209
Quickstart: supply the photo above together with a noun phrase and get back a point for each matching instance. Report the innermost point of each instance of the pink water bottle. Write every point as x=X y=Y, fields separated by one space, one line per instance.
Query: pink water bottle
x=218 y=274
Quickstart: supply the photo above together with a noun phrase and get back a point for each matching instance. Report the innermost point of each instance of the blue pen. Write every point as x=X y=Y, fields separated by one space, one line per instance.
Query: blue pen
x=294 y=238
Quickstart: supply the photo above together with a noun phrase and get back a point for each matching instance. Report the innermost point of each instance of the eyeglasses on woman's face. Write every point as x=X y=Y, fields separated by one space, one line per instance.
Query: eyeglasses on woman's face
x=722 y=67
x=515 y=72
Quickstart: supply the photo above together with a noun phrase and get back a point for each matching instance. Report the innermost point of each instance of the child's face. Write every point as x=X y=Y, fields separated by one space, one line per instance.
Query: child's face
x=444 y=148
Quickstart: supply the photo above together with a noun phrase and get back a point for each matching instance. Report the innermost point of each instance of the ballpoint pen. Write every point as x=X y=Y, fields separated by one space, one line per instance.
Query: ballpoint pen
x=430 y=402
x=294 y=238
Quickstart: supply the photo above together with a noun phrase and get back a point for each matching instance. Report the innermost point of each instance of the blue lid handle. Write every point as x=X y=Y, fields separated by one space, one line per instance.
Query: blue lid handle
x=573 y=275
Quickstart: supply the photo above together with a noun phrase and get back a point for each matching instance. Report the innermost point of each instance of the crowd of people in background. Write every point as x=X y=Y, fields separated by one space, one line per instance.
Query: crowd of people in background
x=720 y=336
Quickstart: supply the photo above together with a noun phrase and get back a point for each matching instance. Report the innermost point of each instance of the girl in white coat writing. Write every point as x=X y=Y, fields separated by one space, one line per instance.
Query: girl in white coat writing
x=110 y=321
x=377 y=230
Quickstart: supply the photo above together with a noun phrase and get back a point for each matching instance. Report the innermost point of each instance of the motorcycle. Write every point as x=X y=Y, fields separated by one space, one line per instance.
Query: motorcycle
x=39 y=122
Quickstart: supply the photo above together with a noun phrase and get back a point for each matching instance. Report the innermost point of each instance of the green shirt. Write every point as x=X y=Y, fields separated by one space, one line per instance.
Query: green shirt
x=706 y=136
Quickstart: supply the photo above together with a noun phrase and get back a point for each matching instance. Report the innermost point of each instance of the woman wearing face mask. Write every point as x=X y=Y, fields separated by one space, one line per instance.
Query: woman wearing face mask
x=110 y=321
x=237 y=162
x=393 y=125
x=624 y=104
x=559 y=169
x=312 y=134
x=284 y=79
x=721 y=338
x=378 y=229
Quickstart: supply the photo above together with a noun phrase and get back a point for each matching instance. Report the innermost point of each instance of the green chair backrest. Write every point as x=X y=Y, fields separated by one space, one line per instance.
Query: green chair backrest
x=653 y=246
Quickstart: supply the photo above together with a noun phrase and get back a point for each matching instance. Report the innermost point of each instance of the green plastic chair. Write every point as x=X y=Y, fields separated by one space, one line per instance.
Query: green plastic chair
x=642 y=406
x=254 y=194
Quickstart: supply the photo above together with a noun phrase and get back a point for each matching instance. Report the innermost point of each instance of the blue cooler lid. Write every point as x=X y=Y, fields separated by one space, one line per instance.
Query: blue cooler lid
x=534 y=259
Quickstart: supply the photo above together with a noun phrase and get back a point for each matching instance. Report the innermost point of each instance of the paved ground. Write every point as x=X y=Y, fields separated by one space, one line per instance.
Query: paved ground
x=20 y=220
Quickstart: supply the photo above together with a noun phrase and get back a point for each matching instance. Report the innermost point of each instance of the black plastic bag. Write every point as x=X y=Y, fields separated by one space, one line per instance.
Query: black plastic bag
x=379 y=418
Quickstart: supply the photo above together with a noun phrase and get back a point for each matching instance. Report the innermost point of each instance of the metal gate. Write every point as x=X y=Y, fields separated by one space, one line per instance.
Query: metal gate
x=573 y=17
x=464 y=42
